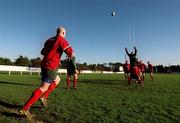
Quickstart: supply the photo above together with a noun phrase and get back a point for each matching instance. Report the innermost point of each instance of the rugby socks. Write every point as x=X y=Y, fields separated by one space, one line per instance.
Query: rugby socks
x=34 y=98
x=50 y=89
x=129 y=80
x=125 y=77
x=143 y=78
x=68 y=83
x=151 y=78
x=74 y=83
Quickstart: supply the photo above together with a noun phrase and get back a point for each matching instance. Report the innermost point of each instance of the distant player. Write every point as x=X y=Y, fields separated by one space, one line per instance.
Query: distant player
x=134 y=70
x=71 y=71
x=126 y=68
x=52 y=51
x=142 y=68
x=151 y=70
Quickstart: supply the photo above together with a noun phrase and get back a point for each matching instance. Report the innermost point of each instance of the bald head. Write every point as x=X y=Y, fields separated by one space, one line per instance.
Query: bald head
x=61 y=31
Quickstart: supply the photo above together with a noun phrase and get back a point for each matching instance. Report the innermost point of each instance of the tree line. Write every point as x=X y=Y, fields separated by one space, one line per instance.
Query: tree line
x=35 y=62
x=21 y=61
x=167 y=69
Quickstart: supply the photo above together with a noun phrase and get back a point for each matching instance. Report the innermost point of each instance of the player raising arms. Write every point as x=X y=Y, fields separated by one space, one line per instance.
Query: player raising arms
x=132 y=57
x=126 y=68
x=151 y=70
x=71 y=71
x=52 y=51
x=134 y=70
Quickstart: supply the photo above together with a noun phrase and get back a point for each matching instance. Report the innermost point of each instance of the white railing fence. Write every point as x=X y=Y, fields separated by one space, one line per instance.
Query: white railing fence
x=30 y=70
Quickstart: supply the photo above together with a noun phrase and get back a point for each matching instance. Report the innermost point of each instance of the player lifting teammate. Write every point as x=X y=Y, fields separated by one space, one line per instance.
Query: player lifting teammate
x=142 y=68
x=134 y=70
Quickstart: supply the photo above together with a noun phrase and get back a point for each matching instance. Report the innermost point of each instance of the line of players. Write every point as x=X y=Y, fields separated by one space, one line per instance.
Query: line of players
x=136 y=69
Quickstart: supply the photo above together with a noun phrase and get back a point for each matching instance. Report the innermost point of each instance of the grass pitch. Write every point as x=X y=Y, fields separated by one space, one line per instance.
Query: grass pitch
x=98 y=98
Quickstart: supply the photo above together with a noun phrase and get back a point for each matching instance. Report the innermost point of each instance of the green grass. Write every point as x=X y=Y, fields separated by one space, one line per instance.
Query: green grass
x=99 y=99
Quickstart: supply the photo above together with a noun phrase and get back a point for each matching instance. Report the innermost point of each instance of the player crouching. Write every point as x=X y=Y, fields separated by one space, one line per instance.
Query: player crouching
x=142 y=68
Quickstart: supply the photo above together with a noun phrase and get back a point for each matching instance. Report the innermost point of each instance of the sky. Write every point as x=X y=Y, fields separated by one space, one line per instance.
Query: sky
x=153 y=26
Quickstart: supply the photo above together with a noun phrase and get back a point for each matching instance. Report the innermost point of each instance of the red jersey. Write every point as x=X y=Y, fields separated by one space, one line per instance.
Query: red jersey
x=52 y=51
x=150 y=67
x=135 y=70
x=126 y=68
x=142 y=67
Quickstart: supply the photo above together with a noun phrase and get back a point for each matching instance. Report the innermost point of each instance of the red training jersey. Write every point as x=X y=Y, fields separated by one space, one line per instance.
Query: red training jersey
x=52 y=51
x=142 y=67
x=126 y=68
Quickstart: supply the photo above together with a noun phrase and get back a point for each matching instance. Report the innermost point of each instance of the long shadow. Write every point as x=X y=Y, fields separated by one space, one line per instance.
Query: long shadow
x=13 y=106
x=11 y=114
x=8 y=105
x=12 y=83
x=104 y=82
x=20 y=117
x=12 y=110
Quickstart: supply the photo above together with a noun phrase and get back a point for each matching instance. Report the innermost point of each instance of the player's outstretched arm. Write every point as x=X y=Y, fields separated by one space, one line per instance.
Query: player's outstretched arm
x=135 y=50
x=126 y=51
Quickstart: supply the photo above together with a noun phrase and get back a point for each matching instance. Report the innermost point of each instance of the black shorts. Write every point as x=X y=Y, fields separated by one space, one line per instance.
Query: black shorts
x=71 y=71
x=48 y=75
x=71 y=66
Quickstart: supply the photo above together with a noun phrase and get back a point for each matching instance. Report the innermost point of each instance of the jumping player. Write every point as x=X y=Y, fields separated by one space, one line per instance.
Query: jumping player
x=52 y=51
x=150 y=69
x=132 y=57
x=134 y=70
x=71 y=71
x=126 y=68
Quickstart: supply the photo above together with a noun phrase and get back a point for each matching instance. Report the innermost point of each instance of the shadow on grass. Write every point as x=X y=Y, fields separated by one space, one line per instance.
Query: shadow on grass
x=104 y=82
x=12 y=110
x=11 y=83
x=11 y=114
x=8 y=105
x=13 y=106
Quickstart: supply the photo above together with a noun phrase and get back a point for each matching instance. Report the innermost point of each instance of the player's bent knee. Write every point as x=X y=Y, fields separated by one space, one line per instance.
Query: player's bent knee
x=75 y=76
x=44 y=87
x=57 y=80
